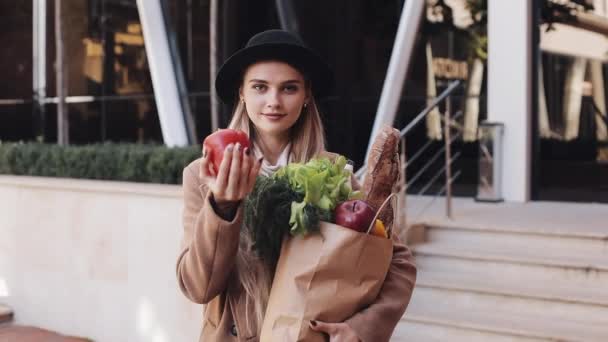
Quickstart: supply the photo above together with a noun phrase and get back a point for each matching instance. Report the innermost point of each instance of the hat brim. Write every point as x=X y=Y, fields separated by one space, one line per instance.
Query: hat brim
x=312 y=66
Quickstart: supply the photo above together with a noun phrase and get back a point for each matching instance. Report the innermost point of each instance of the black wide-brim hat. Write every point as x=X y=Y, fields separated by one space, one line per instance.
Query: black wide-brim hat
x=273 y=45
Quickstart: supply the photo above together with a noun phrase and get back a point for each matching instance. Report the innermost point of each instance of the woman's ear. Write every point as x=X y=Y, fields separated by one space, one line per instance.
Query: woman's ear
x=308 y=95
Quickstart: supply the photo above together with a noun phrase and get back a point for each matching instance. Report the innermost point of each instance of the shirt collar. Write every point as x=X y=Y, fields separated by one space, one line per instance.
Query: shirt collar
x=267 y=169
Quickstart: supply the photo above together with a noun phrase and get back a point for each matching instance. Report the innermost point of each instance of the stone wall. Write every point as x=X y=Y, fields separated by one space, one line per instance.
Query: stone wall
x=94 y=259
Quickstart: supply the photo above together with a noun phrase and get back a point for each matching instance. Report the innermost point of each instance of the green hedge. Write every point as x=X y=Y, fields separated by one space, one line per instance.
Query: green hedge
x=110 y=161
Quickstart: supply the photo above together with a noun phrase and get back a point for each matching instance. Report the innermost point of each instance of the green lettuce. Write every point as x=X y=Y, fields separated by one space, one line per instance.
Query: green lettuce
x=323 y=184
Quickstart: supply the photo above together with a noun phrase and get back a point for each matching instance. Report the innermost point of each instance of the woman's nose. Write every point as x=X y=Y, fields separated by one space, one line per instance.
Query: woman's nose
x=273 y=100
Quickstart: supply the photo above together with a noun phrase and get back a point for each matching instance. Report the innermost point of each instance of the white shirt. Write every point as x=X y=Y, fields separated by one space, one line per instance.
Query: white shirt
x=268 y=169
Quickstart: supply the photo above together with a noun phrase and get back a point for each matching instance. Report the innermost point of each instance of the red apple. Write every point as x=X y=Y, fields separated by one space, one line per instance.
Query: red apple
x=216 y=143
x=354 y=214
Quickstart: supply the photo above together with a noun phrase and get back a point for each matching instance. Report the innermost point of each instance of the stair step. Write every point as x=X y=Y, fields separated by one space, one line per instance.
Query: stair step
x=495 y=321
x=575 y=220
x=584 y=244
x=557 y=311
x=497 y=252
x=510 y=272
x=6 y=313
x=407 y=331
x=549 y=218
x=506 y=270
x=479 y=282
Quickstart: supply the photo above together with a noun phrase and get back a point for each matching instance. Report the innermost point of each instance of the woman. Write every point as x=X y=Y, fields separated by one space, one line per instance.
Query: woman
x=273 y=83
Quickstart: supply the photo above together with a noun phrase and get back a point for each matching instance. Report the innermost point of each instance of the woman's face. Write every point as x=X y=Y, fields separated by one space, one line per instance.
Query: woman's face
x=274 y=94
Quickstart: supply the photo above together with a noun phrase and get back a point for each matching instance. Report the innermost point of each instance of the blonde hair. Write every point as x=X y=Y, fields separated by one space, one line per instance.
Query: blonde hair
x=255 y=276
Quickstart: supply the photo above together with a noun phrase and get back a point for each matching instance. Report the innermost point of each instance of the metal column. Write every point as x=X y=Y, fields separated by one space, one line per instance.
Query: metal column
x=409 y=24
x=39 y=58
x=173 y=108
x=287 y=16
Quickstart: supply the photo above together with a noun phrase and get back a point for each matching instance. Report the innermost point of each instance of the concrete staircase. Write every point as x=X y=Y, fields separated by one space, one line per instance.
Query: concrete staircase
x=482 y=283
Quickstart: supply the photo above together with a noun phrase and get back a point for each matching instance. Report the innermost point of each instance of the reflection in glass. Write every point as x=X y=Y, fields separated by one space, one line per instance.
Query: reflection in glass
x=109 y=81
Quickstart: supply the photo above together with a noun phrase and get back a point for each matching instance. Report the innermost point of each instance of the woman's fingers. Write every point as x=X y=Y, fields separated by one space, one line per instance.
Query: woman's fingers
x=203 y=168
x=232 y=191
x=223 y=172
x=236 y=175
x=206 y=168
x=337 y=331
x=212 y=170
x=319 y=326
x=244 y=173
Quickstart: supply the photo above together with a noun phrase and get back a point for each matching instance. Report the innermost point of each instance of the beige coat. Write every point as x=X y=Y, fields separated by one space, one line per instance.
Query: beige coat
x=207 y=258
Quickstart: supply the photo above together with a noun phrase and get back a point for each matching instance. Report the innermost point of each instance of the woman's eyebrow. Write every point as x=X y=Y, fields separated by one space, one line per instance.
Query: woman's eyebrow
x=255 y=80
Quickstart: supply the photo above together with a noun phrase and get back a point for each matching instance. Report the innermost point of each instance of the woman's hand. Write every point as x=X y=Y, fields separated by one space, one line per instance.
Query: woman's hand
x=235 y=177
x=338 y=332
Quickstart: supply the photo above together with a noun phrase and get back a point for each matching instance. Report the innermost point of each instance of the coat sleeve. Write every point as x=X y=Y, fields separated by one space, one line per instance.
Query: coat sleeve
x=377 y=322
x=209 y=244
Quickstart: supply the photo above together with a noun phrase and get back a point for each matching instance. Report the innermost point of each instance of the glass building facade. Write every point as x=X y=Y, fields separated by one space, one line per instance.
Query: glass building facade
x=110 y=96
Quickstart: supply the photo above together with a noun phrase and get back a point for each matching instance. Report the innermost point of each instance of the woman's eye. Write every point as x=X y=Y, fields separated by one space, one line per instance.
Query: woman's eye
x=290 y=88
x=259 y=87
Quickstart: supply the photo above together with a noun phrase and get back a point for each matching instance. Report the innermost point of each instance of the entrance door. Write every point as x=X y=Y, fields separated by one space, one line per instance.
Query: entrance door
x=572 y=127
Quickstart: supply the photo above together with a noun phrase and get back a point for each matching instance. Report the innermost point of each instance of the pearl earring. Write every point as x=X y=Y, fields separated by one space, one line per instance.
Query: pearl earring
x=305 y=104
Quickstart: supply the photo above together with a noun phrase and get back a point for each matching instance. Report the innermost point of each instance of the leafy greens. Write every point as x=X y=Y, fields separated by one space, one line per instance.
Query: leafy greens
x=323 y=184
x=294 y=200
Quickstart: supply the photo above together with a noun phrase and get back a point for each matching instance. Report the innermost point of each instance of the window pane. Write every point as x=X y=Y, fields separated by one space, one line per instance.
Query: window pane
x=16 y=51
x=189 y=20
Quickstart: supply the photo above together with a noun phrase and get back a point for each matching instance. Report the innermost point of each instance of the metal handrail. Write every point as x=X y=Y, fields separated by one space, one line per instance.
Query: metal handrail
x=450 y=159
x=438 y=174
x=449 y=123
x=428 y=143
x=439 y=193
x=432 y=160
x=444 y=95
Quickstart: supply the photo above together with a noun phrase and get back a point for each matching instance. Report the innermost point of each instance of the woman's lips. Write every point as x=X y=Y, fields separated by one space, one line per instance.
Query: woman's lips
x=273 y=117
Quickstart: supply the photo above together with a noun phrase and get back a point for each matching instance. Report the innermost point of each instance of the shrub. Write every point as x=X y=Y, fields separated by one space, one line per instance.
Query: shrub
x=109 y=161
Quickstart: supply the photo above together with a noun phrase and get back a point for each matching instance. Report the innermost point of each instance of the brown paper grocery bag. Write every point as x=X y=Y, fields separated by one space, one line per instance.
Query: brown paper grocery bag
x=326 y=276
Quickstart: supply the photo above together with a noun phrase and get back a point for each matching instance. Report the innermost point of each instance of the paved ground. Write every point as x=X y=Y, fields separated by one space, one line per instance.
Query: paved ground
x=561 y=218
x=18 y=333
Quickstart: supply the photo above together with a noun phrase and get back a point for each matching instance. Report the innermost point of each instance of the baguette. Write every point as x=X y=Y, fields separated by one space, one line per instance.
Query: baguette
x=382 y=173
